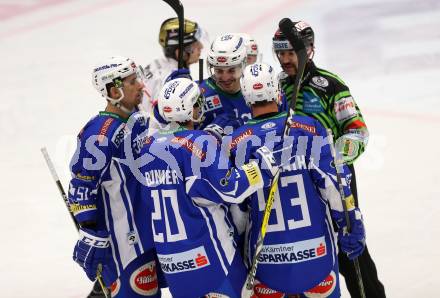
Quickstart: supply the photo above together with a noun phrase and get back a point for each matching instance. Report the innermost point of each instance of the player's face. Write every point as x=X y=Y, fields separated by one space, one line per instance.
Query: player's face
x=288 y=61
x=132 y=87
x=251 y=59
x=228 y=78
x=194 y=51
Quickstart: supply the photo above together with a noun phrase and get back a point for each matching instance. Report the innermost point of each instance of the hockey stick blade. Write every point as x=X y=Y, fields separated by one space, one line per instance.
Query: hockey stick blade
x=177 y=6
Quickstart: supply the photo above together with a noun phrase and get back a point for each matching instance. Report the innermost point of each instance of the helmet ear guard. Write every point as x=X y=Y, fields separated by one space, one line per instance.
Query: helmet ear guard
x=113 y=71
x=177 y=100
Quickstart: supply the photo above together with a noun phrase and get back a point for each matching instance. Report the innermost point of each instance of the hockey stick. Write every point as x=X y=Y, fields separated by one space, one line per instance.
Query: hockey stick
x=339 y=172
x=200 y=71
x=289 y=30
x=177 y=6
x=66 y=202
x=58 y=183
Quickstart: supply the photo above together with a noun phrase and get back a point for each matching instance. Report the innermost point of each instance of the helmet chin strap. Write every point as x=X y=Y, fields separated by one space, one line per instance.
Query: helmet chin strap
x=117 y=102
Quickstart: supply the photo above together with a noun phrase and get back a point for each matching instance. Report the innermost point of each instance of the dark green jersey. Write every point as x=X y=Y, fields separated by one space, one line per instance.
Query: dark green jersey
x=325 y=97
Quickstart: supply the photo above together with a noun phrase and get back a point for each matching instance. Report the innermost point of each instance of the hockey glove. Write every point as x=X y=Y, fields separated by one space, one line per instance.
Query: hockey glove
x=91 y=250
x=179 y=73
x=269 y=163
x=223 y=125
x=353 y=243
x=350 y=146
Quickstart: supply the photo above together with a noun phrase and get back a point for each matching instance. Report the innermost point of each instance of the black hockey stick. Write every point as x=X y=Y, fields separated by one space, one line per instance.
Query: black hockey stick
x=289 y=30
x=66 y=202
x=200 y=71
x=339 y=172
x=177 y=6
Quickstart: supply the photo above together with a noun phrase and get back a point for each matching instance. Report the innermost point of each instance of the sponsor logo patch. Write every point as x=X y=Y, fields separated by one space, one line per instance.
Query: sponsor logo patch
x=115 y=287
x=221 y=59
x=320 y=81
x=104 y=129
x=309 y=128
x=257 y=86
x=190 y=146
x=345 y=108
x=240 y=138
x=190 y=260
x=167 y=109
x=262 y=291
x=311 y=103
x=252 y=173
x=144 y=280
x=324 y=288
x=291 y=253
x=212 y=103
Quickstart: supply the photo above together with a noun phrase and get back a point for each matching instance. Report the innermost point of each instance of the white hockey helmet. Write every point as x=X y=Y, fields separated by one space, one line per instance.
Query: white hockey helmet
x=227 y=50
x=113 y=70
x=177 y=100
x=259 y=83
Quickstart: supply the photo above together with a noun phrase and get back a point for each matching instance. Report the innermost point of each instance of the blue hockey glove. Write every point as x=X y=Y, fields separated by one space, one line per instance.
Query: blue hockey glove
x=353 y=243
x=179 y=73
x=91 y=250
x=223 y=125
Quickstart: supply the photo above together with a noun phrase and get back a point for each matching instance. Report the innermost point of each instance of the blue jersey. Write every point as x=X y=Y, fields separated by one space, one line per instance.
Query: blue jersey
x=300 y=246
x=191 y=186
x=218 y=102
x=103 y=185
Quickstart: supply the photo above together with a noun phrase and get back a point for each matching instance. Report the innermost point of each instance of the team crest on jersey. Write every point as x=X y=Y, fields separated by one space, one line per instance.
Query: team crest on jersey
x=324 y=288
x=212 y=103
x=144 y=280
x=320 y=81
x=268 y=125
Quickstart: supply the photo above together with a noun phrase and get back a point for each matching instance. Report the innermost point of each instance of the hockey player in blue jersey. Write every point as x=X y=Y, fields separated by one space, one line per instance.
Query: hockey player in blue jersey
x=191 y=186
x=101 y=192
x=226 y=61
x=299 y=255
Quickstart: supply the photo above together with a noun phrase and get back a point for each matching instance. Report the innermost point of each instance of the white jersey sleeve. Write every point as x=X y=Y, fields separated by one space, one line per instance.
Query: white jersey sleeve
x=155 y=75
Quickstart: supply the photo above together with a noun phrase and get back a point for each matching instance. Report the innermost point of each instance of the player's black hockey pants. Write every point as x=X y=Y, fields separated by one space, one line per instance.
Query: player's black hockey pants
x=373 y=287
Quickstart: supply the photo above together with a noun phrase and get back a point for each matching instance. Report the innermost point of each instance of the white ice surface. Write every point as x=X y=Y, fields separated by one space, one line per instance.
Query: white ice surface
x=388 y=52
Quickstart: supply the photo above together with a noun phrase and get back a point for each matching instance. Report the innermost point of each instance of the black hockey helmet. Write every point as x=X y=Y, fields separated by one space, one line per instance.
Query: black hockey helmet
x=280 y=42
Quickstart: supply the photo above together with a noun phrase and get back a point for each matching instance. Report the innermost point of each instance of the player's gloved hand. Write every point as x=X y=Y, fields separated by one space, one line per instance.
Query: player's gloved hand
x=349 y=146
x=91 y=250
x=269 y=163
x=223 y=125
x=179 y=73
x=353 y=243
